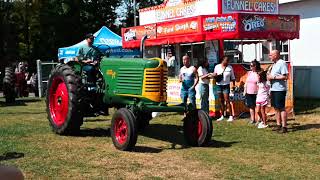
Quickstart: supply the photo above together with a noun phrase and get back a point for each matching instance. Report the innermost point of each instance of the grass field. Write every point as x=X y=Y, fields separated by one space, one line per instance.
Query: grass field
x=237 y=150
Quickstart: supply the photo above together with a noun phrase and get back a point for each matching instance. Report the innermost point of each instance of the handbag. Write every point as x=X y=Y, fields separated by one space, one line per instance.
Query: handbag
x=219 y=77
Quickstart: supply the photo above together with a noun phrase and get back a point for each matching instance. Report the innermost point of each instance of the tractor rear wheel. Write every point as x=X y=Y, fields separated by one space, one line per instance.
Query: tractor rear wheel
x=9 y=85
x=197 y=128
x=63 y=100
x=124 y=129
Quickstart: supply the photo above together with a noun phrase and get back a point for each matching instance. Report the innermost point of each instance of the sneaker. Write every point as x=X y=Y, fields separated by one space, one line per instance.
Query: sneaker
x=230 y=119
x=220 y=119
x=258 y=123
x=283 y=130
x=276 y=128
x=252 y=122
x=262 y=126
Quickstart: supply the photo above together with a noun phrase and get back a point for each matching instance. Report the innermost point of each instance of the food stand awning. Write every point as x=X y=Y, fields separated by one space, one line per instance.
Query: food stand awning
x=214 y=27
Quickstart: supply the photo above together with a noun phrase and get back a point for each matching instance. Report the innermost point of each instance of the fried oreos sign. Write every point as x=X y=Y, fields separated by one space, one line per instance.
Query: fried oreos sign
x=254 y=23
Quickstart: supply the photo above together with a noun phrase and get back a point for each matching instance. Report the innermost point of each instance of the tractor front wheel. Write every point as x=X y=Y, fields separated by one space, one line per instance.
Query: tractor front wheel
x=9 y=85
x=124 y=130
x=197 y=128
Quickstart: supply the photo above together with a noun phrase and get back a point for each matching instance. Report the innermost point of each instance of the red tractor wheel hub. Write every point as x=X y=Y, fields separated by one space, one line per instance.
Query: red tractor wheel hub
x=121 y=130
x=58 y=101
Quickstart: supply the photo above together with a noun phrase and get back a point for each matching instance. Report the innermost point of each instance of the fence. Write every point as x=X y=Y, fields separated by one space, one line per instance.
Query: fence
x=43 y=72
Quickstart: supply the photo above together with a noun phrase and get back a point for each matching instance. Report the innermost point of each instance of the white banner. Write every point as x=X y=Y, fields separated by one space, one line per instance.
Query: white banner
x=177 y=9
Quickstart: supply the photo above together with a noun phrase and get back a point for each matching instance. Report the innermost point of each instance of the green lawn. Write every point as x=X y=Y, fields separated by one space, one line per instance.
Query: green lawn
x=238 y=150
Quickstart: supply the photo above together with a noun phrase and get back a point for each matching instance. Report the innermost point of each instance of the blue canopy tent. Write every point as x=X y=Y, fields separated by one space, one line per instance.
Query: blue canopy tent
x=106 y=41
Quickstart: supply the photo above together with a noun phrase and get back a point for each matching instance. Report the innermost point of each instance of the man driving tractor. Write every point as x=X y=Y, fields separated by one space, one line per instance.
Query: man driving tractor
x=90 y=55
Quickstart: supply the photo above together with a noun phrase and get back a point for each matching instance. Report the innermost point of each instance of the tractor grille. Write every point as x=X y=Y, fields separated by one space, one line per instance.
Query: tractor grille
x=156 y=82
x=130 y=80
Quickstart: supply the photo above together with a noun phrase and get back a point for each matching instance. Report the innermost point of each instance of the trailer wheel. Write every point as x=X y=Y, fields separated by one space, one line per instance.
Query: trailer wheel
x=9 y=85
x=124 y=130
x=197 y=128
x=63 y=97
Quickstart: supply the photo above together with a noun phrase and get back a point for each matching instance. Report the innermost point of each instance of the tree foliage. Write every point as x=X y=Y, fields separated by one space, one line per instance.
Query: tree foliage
x=129 y=5
x=35 y=29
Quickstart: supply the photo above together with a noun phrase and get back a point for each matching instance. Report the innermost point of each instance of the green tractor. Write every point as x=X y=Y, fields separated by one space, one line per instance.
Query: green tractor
x=135 y=87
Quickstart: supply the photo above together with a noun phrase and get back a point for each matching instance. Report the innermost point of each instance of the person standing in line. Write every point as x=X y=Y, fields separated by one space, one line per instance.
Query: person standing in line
x=170 y=59
x=189 y=78
x=278 y=76
x=204 y=80
x=251 y=89
x=224 y=74
x=262 y=99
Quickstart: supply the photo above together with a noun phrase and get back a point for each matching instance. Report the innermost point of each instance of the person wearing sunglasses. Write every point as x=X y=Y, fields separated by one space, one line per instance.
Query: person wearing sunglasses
x=251 y=89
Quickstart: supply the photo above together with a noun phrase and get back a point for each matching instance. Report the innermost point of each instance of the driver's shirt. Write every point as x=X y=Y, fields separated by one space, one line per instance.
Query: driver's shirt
x=86 y=52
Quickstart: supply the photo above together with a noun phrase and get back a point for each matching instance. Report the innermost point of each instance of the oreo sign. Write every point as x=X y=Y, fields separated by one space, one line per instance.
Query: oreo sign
x=255 y=23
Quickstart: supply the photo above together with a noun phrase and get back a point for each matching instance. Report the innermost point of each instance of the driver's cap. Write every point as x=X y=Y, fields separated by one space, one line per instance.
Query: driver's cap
x=90 y=36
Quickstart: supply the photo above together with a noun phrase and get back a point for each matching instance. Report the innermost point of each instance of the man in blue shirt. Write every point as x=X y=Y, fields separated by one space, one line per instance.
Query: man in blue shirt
x=90 y=55
x=278 y=76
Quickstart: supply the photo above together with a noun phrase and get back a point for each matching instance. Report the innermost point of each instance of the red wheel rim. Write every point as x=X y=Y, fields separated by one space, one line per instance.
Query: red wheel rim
x=121 y=130
x=58 y=101
x=199 y=128
x=195 y=129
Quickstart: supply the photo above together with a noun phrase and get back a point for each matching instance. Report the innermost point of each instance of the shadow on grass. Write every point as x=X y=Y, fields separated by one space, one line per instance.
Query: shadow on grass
x=305 y=127
x=144 y=149
x=18 y=102
x=174 y=135
x=221 y=144
x=95 y=132
x=11 y=155
x=165 y=132
x=98 y=120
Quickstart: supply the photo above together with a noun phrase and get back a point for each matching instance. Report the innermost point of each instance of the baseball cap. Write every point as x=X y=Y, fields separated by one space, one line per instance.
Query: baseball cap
x=90 y=36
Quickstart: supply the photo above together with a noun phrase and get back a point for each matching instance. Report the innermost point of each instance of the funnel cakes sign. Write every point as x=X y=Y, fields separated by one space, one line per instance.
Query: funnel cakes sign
x=177 y=9
x=250 y=6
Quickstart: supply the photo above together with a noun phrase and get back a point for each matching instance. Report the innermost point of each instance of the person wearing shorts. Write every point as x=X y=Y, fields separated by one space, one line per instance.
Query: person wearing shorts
x=251 y=89
x=189 y=78
x=262 y=99
x=278 y=76
x=223 y=87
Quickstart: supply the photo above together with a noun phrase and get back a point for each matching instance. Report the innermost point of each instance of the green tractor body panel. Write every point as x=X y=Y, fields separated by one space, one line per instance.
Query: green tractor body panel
x=124 y=79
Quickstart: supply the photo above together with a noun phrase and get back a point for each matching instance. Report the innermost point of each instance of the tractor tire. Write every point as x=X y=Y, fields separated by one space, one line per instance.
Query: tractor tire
x=124 y=132
x=143 y=120
x=197 y=128
x=63 y=100
x=9 y=85
x=35 y=86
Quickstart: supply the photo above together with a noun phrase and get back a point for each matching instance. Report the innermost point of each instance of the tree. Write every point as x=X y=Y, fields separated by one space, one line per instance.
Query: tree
x=129 y=7
x=35 y=29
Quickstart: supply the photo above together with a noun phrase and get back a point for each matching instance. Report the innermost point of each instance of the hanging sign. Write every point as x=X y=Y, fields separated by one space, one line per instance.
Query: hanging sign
x=137 y=32
x=220 y=23
x=250 y=6
x=255 y=23
x=176 y=28
x=177 y=9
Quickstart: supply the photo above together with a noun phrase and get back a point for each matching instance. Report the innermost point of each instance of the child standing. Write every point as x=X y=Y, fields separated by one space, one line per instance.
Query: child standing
x=262 y=98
